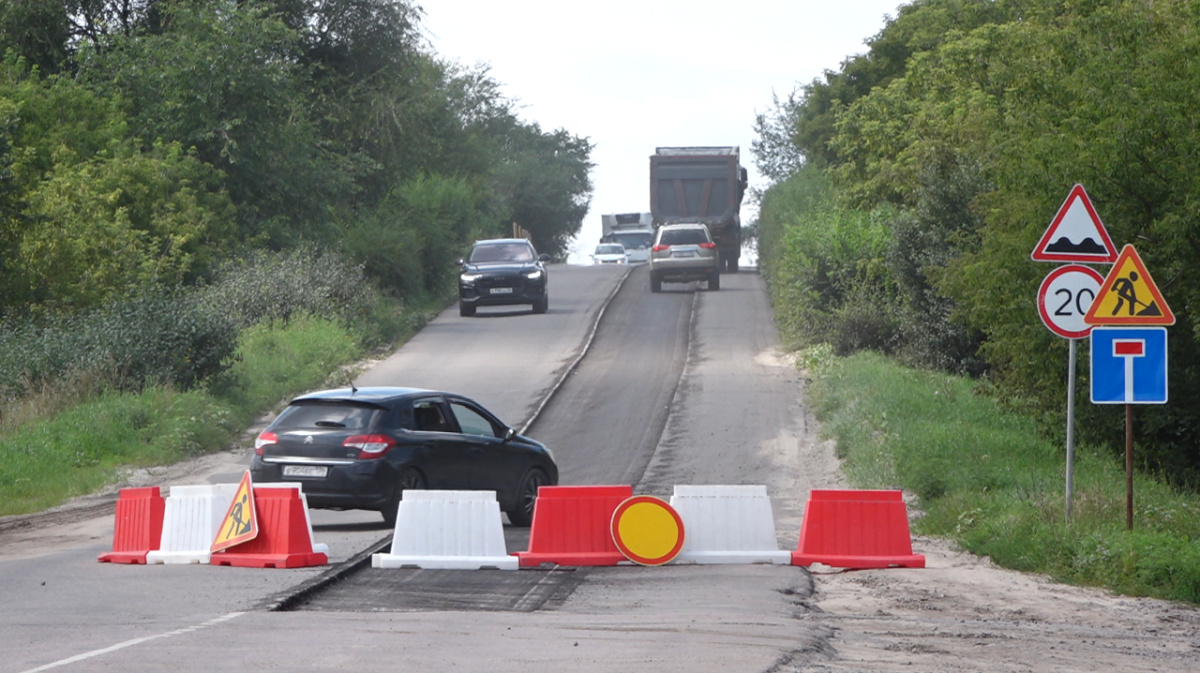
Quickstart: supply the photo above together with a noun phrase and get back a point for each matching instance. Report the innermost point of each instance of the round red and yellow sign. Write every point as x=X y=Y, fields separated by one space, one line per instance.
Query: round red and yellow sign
x=647 y=530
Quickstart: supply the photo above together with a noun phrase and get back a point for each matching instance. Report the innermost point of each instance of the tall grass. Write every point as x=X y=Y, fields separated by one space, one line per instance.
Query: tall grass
x=984 y=478
x=75 y=449
x=82 y=448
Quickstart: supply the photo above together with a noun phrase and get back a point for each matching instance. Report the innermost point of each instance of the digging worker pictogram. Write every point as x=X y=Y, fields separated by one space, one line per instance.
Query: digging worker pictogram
x=1127 y=292
x=238 y=515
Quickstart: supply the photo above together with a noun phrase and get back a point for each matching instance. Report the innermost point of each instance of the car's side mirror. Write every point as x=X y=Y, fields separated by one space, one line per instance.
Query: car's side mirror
x=460 y=261
x=509 y=434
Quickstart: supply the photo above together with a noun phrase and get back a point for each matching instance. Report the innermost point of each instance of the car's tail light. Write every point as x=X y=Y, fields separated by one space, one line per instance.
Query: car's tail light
x=264 y=439
x=708 y=246
x=369 y=446
x=660 y=248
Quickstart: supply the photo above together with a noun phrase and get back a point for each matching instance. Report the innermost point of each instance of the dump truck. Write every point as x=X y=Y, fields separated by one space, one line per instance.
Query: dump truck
x=635 y=231
x=702 y=185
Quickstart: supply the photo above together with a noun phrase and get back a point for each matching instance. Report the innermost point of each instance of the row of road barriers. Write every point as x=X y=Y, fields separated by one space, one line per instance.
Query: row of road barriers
x=576 y=526
x=572 y=526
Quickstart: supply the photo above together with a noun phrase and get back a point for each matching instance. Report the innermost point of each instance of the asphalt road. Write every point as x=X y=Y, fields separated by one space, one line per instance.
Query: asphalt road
x=651 y=390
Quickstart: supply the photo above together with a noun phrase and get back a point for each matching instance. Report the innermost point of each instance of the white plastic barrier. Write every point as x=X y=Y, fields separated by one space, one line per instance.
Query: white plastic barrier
x=727 y=524
x=457 y=530
x=191 y=520
x=317 y=547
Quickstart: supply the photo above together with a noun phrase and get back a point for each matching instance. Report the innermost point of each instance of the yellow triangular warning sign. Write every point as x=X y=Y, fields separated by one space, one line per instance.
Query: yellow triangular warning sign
x=1129 y=296
x=241 y=520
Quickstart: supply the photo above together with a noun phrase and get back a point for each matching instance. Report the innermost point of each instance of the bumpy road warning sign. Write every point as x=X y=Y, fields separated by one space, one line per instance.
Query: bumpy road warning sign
x=1076 y=234
x=241 y=520
x=1129 y=296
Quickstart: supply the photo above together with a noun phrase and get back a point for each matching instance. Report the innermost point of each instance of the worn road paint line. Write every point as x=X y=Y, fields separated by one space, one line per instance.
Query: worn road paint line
x=131 y=643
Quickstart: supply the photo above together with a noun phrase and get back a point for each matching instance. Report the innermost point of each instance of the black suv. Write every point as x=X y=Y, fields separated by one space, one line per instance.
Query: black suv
x=501 y=272
x=360 y=448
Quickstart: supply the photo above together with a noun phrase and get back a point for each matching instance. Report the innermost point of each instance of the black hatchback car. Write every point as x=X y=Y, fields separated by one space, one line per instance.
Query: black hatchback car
x=361 y=448
x=501 y=272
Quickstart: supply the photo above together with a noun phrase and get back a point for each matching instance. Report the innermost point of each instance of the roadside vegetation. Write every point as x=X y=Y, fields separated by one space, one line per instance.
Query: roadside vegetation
x=909 y=188
x=207 y=207
x=277 y=327
x=985 y=478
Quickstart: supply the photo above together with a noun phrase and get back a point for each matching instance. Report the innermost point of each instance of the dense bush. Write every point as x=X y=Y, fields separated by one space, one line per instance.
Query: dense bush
x=274 y=286
x=826 y=266
x=166 y=337
x=186 y=336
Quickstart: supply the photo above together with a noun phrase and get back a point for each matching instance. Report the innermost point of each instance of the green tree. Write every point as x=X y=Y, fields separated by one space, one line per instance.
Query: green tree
x=100 y=229
x=36 y=31
x=996 y=110
x=545 y=180
x=223 y=78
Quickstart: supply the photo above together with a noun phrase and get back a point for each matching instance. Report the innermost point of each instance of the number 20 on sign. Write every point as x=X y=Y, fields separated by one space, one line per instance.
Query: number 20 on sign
x=1065 y=297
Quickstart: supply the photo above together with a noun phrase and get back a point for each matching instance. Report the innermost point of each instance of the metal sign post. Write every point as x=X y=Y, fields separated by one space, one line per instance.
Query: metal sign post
x=1070 y=486
x=1075 y=234
x=1129 y=366
x=1063 y=300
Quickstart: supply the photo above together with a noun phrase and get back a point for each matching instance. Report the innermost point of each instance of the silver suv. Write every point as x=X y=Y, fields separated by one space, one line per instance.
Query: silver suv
x=683 y=253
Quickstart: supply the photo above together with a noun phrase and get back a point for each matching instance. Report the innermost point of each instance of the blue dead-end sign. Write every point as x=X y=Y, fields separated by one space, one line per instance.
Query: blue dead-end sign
x=1129 y=365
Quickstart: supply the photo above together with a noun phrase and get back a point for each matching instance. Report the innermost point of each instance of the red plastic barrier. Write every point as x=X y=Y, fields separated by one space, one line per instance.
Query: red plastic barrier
x=137 y=530
x=571 y=526
x=283 y=540
x=856 y=529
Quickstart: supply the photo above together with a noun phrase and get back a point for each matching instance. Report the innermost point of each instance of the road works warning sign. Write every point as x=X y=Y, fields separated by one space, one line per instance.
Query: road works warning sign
x=1075 y=234
x=1129 y=296
x=241 y=520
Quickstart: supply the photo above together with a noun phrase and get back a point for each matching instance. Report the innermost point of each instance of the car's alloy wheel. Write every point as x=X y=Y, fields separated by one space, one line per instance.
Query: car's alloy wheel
x=410 y=479
x=522 y=514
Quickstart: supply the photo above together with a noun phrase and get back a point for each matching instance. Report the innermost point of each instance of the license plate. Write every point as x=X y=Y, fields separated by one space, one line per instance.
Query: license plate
x=305 y=470
x=502 y=290
x=684 y=253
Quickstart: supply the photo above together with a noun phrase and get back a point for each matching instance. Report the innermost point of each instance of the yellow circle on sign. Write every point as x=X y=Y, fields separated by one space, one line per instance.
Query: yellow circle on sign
x=647 y=530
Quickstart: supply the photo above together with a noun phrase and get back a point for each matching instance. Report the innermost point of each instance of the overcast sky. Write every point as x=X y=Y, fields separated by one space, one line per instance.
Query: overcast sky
x=631 y=75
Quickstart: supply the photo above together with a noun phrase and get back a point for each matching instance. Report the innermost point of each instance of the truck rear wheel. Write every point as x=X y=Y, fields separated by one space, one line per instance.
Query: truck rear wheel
x=731 y=265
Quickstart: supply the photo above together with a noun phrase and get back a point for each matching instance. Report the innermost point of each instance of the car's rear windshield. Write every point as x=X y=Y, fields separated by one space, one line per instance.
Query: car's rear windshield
x=682 y=237
x=501 y=252
x=634 y=240
x=314 y=415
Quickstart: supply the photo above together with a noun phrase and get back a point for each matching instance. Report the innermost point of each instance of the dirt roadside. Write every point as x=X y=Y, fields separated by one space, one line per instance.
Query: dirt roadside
x=963 y=613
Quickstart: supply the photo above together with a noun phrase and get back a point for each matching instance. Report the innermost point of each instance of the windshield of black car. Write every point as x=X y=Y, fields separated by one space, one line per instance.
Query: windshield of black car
x=310 y=415
x=501 y=252
x=683 y=237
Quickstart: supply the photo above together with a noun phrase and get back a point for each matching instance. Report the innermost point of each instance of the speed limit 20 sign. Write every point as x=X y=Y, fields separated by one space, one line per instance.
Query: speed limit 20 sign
x=1065 y=297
